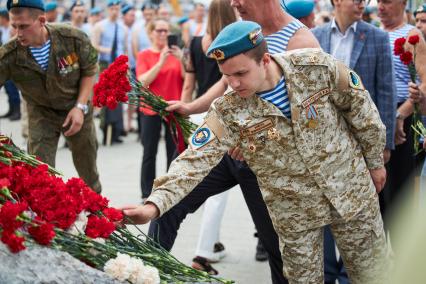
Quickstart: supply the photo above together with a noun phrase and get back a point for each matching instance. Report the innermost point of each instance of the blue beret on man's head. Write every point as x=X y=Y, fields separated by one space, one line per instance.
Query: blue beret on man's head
x=126 y=8
x=3 y=12
x=76 y=3
x=95 y=11
x=113 y=2
x=36 y=4
x=50 y=6
x=421 y=9
x=298 y=8
x=234 y=39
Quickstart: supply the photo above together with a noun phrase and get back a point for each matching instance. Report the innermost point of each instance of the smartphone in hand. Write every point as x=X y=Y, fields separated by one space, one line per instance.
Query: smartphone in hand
x=172 y=39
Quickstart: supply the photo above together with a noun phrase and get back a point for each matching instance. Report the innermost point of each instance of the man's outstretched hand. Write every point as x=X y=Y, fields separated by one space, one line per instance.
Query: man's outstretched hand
x=140 y=214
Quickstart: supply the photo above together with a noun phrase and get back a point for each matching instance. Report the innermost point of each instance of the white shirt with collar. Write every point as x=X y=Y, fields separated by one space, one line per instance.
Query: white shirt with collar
x=341 y=44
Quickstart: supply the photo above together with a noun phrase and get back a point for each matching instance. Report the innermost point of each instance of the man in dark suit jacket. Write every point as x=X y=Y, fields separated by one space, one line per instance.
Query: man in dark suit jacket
x=366 y=50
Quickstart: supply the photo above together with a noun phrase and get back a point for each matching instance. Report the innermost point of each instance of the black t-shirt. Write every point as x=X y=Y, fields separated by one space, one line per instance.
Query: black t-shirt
x=206 y=70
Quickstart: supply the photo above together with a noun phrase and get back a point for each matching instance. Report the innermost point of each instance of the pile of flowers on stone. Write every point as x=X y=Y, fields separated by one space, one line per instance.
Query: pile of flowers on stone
x=38 y=207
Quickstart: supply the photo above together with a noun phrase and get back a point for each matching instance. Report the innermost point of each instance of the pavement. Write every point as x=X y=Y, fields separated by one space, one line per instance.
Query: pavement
x=119 y=168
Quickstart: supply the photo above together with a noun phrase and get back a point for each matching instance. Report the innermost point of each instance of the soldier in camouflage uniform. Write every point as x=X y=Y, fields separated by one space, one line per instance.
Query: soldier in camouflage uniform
x=57 y=97
x=320 y=166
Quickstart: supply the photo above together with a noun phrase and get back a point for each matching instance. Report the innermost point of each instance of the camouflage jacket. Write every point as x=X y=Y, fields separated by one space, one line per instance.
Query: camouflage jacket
x=303 y=165
x=71 y=57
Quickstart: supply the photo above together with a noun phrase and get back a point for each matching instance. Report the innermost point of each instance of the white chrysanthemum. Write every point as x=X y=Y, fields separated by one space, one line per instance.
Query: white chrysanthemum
x=118 y=267
x=79 y=225
x=136 y=269
x=149 y=275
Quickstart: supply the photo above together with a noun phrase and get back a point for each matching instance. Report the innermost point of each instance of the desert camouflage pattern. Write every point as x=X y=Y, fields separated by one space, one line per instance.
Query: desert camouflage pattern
x=311 y=172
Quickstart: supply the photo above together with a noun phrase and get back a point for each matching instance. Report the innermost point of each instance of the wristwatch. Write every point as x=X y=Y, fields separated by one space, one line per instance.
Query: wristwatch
x=84 y=108
x=400 y=116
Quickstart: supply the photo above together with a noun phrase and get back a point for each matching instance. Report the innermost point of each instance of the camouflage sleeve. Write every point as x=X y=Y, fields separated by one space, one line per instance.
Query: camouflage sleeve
x=362 y=116
x=88 y=57
x=4 y=68
x=206 y=148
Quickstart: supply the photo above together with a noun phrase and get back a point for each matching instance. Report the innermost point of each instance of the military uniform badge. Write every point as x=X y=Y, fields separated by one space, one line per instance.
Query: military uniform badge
x=355 y=81
x=217 y=54
x=201 y=137
x=273 y=134
x=256 y=35
x=312 y=116
x=68 y=63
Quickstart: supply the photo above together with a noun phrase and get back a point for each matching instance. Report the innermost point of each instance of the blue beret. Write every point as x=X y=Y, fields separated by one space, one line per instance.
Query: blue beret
x=126 y=8
x=113 y=2
x=3 y=12
x=421 y=9
x=76 y=3
x=36 y=4
x=95 y=11
x=298 y=8
x=50 y=6
x=234 y=39
x=182 y=20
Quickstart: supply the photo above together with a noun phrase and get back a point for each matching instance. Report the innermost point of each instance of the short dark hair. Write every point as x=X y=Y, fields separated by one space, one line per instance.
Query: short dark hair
x=256 y=53
x=34 y=13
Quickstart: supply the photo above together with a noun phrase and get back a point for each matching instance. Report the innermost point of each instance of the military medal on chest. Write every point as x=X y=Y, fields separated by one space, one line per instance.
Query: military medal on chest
x=68 y=63
x=312 y=116
x=62 y=67
x=273 y=134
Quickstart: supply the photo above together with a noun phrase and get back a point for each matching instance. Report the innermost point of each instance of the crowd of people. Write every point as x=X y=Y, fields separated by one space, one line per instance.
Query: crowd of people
x=51 y=56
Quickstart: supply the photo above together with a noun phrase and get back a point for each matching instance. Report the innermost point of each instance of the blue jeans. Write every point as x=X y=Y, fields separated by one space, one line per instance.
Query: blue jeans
x=333 y=267
x=12 y=93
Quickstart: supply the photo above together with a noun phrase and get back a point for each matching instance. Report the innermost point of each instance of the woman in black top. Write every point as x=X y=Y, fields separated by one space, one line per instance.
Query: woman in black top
x=203 y=72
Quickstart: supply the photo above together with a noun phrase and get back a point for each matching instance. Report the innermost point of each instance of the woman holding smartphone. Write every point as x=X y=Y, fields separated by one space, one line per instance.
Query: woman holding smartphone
x=160 y=69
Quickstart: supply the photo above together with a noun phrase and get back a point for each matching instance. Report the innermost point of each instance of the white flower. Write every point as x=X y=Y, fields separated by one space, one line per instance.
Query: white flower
x=118 y=267
x=136 y=269
x=149 y=275
x=79 y=225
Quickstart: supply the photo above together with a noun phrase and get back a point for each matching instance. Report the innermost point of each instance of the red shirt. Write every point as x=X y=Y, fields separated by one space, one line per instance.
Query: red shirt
x=169 y=81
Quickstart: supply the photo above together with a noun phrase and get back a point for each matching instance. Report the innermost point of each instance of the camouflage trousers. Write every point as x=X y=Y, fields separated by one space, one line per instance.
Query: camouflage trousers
x=361 y=242
x=45 y=128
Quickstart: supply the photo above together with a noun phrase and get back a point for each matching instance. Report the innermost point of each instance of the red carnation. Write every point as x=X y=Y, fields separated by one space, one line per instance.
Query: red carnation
x=8 y=214
x=15 y=243
x=4 y=182
x=400 y=41
x=113 y=214
x=99 y=227
x=406 y=57
x=42 y=234
x=113 y=84
x=398 y=50
x=414 y=39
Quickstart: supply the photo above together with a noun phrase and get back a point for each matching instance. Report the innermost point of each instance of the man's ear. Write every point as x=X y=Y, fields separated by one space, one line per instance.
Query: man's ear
x=42 y=19
x=266 y=59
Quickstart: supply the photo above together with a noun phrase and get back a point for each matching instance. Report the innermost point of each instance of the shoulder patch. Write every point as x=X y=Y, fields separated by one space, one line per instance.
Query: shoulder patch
x=201 y=137
x=347 y=78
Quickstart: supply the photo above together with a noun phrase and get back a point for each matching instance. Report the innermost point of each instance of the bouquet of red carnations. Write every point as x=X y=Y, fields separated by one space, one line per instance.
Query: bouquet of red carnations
x=118 y=85
x=409 y=59
x=38 y=207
